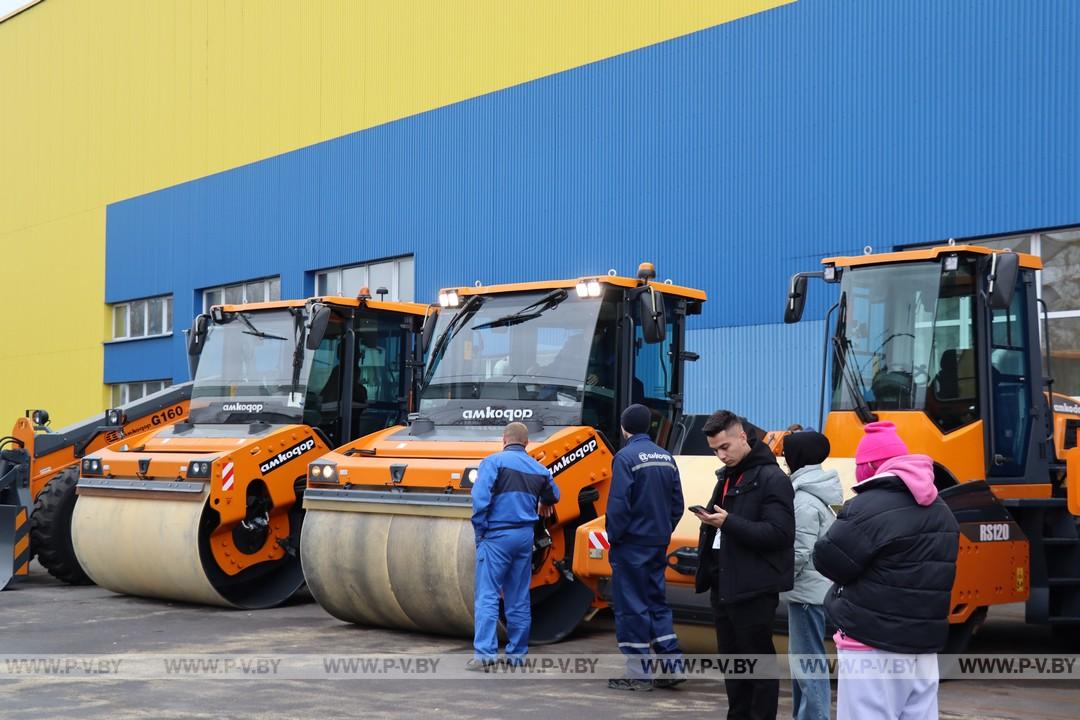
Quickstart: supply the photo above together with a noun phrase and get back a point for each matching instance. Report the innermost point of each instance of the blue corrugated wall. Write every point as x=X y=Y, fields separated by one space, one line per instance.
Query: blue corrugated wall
x=731 y=158
x=770 y=373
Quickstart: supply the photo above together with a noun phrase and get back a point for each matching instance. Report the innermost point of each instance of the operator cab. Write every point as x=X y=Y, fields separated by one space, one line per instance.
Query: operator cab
x=949 y=332
x=302 y=363
x=558 y=354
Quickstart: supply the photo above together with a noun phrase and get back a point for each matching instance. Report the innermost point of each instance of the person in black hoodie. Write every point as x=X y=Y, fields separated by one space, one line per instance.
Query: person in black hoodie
x=746 y=553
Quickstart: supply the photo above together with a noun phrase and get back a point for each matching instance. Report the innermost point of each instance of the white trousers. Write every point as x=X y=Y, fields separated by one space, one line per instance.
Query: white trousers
x=875 y=684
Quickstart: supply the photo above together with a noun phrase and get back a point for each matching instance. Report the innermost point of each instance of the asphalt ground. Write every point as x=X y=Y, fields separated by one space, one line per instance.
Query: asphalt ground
x=41 y=616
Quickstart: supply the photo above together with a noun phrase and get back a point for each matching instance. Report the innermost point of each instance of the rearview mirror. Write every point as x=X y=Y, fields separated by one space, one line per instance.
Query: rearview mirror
x=1001 y=281
x=320 y=318
x=653 y=322
x=197 y=337
x=796 y=299
x=428 y=331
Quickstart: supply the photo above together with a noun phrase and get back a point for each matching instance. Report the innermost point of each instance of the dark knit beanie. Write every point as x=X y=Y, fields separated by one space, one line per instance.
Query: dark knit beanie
x=636 y=419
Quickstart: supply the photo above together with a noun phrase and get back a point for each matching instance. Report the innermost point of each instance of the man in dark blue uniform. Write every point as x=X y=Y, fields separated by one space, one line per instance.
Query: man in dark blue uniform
x=511 y=492
x=644 y=506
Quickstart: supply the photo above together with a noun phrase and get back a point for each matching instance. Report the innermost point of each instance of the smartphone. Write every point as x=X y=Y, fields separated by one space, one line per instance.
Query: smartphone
x=697 y=509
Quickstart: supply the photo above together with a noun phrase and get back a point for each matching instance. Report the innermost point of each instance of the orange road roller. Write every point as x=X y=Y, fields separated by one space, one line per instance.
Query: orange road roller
x=387 y=538
x=208 y=510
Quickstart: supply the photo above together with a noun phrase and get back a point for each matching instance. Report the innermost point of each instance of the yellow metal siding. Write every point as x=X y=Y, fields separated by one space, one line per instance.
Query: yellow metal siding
x=109 y=99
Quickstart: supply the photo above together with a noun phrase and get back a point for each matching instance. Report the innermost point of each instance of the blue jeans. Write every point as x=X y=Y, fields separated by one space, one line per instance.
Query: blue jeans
x=503 y=564
x=806 y=628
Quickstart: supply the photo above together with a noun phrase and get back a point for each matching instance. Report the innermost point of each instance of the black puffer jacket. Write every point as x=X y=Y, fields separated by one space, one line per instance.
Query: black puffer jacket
x=893 y=562
x=756 y=554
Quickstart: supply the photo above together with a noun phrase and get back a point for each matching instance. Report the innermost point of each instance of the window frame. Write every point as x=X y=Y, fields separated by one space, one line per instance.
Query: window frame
x=127 y=307
x=336 y=273
x=125 y=390
x=267 y=283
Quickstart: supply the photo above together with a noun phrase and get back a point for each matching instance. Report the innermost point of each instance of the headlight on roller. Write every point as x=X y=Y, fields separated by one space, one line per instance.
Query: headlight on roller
x=199 y=469
x=322 y=472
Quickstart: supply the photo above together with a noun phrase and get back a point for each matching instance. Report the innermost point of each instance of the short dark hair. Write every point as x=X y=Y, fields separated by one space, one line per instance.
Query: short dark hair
x=516 y=432
x=721 y=421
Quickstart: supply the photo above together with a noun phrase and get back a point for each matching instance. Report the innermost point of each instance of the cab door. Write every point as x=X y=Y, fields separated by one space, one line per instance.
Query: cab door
x=1014 y=409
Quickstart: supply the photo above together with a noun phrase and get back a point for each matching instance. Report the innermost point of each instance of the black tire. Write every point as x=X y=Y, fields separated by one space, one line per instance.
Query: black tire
x=50 y=529
x=960 y=634
x=959 y=643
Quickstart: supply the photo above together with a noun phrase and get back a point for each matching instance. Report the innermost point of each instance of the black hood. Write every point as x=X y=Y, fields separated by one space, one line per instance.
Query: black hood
x=805 y=448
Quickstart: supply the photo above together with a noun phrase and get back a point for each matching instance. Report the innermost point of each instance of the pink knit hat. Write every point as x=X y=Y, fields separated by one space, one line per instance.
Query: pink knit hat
x=879 y=443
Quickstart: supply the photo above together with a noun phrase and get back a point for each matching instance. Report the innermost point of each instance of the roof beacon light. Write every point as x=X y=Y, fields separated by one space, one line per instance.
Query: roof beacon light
x=646 y=271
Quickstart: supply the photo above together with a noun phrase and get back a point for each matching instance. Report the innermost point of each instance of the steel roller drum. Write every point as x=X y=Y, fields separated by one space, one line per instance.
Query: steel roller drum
x=159 y=547
x=408 y=571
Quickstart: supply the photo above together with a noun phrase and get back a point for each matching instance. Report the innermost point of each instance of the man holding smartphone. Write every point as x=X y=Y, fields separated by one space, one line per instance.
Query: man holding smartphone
x=746 y=554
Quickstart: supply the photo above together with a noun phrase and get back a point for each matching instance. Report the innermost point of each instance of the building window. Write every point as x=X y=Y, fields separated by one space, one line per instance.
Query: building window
x=148 y=317
x=394 y=276
x=125 y=393
x=253 y=291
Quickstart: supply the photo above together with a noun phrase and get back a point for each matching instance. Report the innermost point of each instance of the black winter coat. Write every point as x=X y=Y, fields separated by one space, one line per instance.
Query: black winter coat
x=756 y=554
x=893 y=562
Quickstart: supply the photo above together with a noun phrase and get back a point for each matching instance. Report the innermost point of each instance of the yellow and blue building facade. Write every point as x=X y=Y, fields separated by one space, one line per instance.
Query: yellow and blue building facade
x=160 y=149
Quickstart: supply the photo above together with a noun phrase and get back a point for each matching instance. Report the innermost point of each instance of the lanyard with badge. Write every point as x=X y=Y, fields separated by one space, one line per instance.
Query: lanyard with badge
x=723 y=497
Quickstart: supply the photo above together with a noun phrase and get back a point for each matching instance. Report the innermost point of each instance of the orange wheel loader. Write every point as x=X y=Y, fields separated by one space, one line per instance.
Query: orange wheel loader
x=39 y=468
x=208 y=510
x=945 y=343
x=388 y=539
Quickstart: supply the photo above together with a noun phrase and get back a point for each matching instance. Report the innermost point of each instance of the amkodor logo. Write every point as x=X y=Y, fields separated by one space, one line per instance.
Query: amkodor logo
x=574 y=456
x=490 y=413
x=242 y=407
x=287 y=455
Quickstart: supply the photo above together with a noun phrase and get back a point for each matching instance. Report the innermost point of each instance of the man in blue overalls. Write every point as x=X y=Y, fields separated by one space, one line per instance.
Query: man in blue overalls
x=644 y=506
x=511 y=492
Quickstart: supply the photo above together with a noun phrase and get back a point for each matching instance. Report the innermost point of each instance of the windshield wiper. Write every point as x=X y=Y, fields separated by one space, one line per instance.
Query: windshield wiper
x=840 y=348
x=252 y=330
x=544 y=304
x=471 y=306
x=862 y=408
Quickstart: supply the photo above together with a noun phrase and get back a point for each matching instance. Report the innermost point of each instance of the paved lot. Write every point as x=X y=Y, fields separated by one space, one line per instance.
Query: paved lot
x=42 y=616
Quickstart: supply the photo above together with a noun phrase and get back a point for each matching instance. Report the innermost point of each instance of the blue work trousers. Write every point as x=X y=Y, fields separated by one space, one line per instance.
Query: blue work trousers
x=642 y=615
x=503 y=565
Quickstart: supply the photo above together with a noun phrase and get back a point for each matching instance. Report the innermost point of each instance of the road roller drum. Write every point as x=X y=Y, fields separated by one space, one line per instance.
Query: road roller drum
x=229 y=539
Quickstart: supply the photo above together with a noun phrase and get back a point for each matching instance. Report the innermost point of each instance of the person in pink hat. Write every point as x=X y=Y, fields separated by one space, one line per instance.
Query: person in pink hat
x=891 y=555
